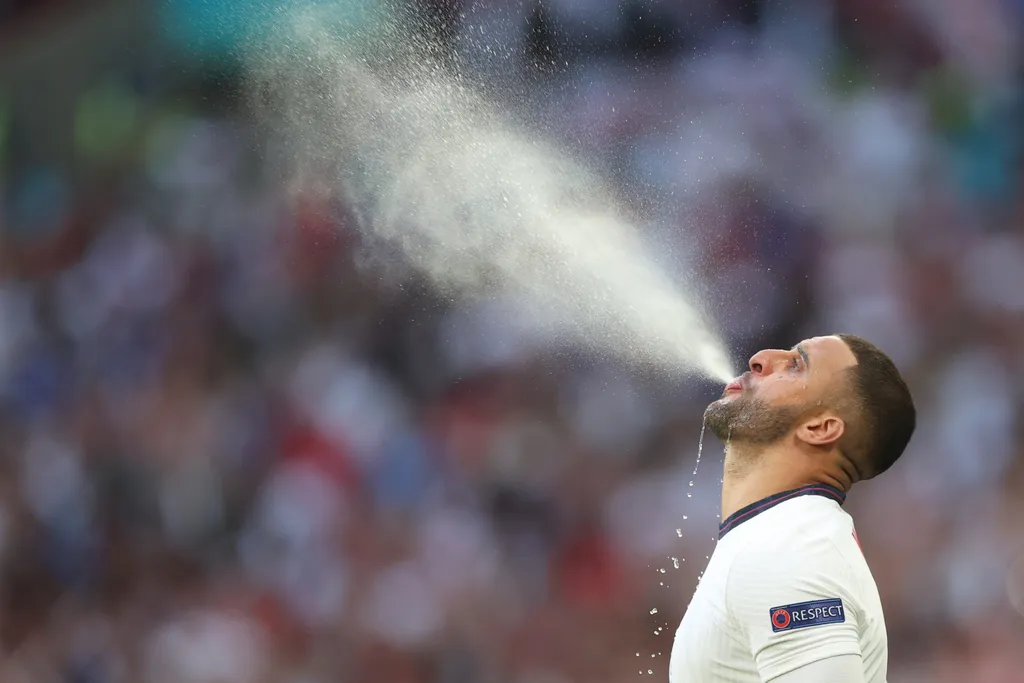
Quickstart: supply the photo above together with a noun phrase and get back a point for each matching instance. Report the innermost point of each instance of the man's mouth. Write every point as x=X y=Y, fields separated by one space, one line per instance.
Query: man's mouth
x=735 y=385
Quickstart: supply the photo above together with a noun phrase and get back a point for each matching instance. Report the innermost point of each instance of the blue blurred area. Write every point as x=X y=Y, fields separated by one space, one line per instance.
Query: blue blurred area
x=223 y=28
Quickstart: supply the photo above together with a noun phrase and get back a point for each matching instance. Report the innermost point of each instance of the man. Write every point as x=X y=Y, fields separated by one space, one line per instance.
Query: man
x=787 y=596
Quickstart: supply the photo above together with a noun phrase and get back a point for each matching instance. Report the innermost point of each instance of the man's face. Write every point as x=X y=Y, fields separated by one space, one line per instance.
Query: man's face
x=781 y=388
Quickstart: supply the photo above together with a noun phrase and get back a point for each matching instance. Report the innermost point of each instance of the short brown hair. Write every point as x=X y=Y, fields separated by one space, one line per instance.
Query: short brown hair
x=886 y=413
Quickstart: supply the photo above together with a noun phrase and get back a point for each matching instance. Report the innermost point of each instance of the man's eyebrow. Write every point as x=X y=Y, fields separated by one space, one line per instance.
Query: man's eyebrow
x=803 y=354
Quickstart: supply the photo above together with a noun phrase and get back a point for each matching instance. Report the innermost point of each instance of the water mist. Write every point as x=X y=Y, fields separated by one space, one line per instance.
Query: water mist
x=470 y=200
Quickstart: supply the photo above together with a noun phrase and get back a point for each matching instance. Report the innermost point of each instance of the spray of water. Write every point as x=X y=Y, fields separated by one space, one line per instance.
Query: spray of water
x=437 y=172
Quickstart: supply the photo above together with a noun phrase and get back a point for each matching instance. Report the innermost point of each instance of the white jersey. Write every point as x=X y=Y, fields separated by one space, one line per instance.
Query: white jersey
x=787 y=586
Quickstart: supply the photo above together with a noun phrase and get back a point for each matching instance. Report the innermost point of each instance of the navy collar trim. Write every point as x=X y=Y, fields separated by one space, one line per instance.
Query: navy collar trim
x=754 y=509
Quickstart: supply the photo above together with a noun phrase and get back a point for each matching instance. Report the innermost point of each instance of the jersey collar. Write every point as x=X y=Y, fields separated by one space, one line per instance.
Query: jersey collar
x=754 y=509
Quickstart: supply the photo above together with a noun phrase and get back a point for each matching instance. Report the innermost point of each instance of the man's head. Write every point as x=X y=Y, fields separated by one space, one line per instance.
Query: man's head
x=837 y=393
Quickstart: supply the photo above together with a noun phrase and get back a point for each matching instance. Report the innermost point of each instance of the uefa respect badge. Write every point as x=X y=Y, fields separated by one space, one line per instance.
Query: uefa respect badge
x=806 y=614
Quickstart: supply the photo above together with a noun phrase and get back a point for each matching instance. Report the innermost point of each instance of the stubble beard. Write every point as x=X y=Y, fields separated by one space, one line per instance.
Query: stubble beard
x=749 y=420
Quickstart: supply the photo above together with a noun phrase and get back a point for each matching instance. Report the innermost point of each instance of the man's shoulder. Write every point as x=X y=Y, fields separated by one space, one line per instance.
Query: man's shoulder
x=802 y=563
x=797 y=535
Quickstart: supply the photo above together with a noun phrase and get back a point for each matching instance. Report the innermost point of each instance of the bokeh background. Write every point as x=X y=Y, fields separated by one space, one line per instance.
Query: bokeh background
x=231 y=452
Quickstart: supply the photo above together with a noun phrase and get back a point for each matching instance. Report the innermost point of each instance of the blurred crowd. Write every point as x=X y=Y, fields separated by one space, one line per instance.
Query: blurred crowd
x=232 y=452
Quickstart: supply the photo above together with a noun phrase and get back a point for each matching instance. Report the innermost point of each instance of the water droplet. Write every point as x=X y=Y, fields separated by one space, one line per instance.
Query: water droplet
x=637 y=654
x=700 y=445
x=654 y=610
x=675 y=562
x=689 y=495
x=686 y=516
x=679 y=532
x=650 y=673
x=691 y=482
x=653 y=655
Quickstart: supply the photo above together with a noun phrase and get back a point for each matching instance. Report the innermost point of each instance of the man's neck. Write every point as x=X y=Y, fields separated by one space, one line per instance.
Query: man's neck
x=752 y=475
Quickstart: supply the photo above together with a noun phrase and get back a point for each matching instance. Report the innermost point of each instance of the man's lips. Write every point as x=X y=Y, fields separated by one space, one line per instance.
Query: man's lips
x=735 y=385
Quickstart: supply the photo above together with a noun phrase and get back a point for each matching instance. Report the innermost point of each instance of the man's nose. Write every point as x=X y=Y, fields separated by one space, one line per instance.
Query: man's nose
x=764 y=362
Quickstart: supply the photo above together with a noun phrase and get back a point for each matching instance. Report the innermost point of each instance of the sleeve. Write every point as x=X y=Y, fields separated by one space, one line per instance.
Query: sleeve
x=840 y=669
x=794 y=606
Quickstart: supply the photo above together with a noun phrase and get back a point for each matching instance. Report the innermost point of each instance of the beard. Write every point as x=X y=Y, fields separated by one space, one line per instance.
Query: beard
x=750 y=420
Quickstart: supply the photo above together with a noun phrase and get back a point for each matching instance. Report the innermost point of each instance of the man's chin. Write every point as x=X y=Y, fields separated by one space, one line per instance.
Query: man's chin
x=718 y=418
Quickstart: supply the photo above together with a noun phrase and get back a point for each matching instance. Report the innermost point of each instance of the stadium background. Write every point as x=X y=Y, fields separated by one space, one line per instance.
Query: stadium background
x=230 y=453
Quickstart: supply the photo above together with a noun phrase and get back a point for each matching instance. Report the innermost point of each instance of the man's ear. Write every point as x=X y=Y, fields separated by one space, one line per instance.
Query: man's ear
x=822 y=430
